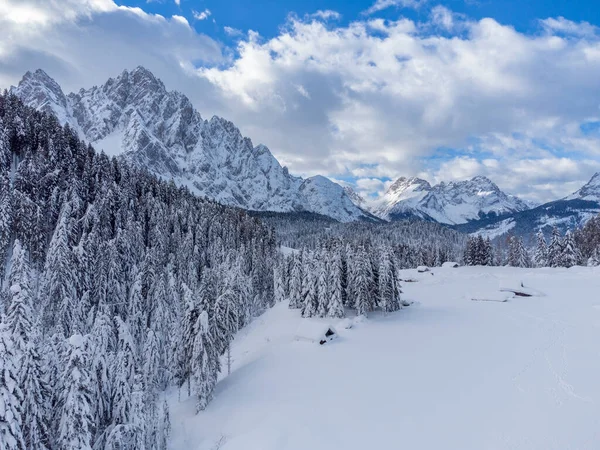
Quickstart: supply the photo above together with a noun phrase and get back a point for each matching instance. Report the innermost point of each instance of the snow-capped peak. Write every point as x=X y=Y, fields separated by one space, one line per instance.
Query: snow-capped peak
x=135 y=117
x=447 y=202
x=590 y=191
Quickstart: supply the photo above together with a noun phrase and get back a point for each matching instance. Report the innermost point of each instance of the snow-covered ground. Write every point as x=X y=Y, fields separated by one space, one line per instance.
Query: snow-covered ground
x=444 y=373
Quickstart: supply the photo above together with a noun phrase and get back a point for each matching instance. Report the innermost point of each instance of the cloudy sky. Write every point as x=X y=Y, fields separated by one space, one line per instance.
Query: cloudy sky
x=363 y=93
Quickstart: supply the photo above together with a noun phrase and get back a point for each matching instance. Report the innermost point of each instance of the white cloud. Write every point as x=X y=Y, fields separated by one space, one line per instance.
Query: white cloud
x=232 y=31
x=561 y=25
x=380 y=5
x=327 y=15
x=444 y=18
x=177 y=2
x=202 y=15
x=82 y=43
x=182 y=20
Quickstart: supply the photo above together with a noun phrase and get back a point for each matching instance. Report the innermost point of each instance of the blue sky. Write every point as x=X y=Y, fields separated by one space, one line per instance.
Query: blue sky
x=360 y=91
x=266 y=16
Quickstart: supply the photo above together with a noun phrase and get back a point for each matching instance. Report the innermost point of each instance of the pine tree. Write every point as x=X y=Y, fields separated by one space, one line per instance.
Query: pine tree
x=323 y=291
x=361 y=274
x=389 y=297
x=205 y=363
x=36 y=394
x=555 y=249
x=164 y=427
x=59 y=286
x=296 y=299
x=541 y=250
x=309 y=287
x=124 y=375
x=76 y=421
x=336 y=305
x=570 y=255
x=11 y=397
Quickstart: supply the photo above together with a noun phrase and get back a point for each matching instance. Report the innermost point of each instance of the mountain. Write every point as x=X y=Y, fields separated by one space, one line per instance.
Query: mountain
x=135 y=117
x=448 y=203
x=570 y=212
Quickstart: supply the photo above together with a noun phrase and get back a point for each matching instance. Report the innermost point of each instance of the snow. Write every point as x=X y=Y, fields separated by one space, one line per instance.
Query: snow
x=111 y=144
x=497 y=229
x=446 y=372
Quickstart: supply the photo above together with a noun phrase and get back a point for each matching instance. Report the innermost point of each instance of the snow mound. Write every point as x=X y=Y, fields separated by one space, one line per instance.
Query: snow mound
x=314 y=331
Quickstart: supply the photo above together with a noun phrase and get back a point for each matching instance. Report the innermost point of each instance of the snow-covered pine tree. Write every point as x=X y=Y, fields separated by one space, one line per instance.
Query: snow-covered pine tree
x=205 y=362
x=570 y=255
x=124 y=372
x=186 y=346
x=309 y=287
x=164 y=428
x=101 y=347
x=323 y=290
x=295 y=283
x=336 y=304
x=555 y=249
x=11 y=397
x=541 y=250
x=58 y=288
x=36 y=396
x=151 y=367
x=594 y=260
x=361 y=272
x=388 y=286
x=278 y=280
x=76 y=426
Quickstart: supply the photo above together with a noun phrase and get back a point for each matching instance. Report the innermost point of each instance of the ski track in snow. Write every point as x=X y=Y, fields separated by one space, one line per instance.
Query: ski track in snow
x=444 y=373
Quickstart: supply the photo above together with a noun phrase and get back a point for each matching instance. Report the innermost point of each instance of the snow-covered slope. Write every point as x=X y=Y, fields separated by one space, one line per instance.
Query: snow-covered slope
x=134 y=115
x=448 y=203
x=444 y=373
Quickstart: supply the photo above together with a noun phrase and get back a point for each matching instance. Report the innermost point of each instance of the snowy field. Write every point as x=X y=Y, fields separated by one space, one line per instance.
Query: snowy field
x=444 y=373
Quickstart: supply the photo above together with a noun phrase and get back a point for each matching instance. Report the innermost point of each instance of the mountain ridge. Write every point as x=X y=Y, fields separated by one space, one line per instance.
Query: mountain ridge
x=450 y=203
x=135 y=117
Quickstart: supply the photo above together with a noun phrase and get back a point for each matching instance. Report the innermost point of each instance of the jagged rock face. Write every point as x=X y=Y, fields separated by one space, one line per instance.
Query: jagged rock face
x=135 y=117
x=355 y=197
x=449 y=203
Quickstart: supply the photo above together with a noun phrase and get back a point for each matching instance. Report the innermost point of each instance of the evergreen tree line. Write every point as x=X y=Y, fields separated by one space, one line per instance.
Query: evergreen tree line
x=412 y=243
x=116 y=285
x=326 y=281
x=479 y=252
x=579 y=248
x=562 y=251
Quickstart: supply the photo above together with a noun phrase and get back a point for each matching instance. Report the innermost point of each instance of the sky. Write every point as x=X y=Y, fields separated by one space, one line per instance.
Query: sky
x=360 y=91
